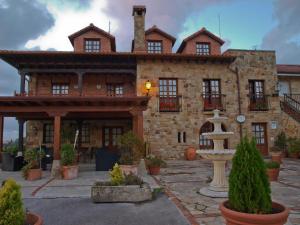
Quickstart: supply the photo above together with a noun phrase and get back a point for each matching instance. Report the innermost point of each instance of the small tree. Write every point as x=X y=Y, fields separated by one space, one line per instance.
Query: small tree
x=68 y=155
x=249 y=188
x=11 y=205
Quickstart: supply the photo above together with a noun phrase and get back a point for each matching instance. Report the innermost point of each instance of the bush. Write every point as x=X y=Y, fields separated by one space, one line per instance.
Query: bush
x=281 y=141
x=132 y=179
x=249 y=188
x=33 y=158
x=11 y=149
x=11 y=205
x=68 y=155
x=293 y=145
x=155 y=161
x=116 y=176
x=272 y=165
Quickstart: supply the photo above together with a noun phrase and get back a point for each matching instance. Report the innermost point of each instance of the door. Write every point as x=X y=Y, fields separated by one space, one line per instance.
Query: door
x=212 y=94
x=284 y=88
x=110 y=137
x=259 y=131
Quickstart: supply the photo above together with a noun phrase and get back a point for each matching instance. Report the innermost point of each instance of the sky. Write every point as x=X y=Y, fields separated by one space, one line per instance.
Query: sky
x=243 y=24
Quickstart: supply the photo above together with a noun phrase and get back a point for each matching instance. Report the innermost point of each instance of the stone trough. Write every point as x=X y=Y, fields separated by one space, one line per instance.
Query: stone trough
x=102 y=192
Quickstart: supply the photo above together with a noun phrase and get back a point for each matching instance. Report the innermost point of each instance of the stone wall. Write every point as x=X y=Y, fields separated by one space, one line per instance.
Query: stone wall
x=161 y=128
x=290 y=126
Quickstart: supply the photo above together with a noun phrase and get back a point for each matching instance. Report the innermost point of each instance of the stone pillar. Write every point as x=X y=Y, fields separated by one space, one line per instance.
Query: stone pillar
x=21 y=133
x=219 y=182
x=55 y=172
x=139 y=13
x=1 y=135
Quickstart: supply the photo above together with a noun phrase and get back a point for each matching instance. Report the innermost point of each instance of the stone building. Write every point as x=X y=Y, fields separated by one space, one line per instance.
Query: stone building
x=164 y=97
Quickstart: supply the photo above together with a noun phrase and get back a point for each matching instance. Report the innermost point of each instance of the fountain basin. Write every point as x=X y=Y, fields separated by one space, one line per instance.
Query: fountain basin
x=217 y=155
x=218 y=135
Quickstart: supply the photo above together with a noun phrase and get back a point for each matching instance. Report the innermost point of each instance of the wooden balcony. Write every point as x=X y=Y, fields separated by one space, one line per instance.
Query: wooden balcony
x=258 y=103
x=169 y=104
x=213 y=101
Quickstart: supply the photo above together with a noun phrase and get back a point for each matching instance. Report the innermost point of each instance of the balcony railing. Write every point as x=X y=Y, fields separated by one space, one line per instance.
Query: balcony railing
x=258 y=103
x=169 y=104
x=213 y=101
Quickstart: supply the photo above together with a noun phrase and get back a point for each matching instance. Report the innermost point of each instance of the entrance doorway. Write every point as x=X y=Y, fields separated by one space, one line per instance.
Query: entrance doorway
x=259 y=131
x=110 y=137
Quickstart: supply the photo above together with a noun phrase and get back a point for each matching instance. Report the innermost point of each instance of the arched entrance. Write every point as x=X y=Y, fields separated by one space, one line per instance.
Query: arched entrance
x=205 y=143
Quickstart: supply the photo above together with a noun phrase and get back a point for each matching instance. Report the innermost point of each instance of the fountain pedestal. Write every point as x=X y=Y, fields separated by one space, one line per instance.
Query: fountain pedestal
x=218 y=188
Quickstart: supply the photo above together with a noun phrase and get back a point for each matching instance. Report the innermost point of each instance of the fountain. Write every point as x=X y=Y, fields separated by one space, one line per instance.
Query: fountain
x=218 y=188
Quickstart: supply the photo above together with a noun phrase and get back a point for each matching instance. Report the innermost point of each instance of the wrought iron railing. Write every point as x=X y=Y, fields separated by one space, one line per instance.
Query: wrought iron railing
x=213 y=101
x=258 y=102
x=293 y=101
x=169 y=103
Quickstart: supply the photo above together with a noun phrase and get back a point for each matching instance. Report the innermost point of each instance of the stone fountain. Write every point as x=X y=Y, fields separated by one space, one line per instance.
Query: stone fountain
x=218 y=188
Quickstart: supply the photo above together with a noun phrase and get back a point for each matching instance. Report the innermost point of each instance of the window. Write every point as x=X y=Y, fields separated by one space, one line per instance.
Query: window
x=85 y=133
x=60 y=89
x=92 y=45
x=258 y=99
x=115 y=90
x=154 y=46
x=212 y=94
x=202 y=48
x=48 y=133
x=111 y=136
x=168 y=99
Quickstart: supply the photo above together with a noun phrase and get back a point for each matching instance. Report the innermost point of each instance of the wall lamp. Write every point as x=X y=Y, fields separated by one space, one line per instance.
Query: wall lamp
x=148 y=86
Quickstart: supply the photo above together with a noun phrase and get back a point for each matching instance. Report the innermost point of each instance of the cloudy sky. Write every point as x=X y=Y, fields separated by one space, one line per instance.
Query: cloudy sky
x=45 y=25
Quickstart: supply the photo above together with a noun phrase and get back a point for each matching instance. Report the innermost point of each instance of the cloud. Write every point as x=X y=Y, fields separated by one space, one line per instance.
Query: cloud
x=21 y=20
x=284 y=37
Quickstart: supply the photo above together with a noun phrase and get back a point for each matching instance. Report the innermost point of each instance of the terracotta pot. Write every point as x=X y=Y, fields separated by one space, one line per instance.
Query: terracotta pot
x=154 y=170
x=294 y=155
x=127 y=169
x=33 y=219
x=238 y=218
x=34 y=174
x=70 y=172
x=276 y=157
x=273 y=174
x=190 y=153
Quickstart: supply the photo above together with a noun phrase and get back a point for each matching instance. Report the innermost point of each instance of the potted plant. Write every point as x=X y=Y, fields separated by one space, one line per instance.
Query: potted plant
x=294 y=147
x=32 y=170
x=249 y=193
x=68 y=159
x=154 y=164
x=273 y=170
x=281 y=143
x=190 y=153
x=132 y=151
x=8 y=157
x=276 y=154
x=11 y=206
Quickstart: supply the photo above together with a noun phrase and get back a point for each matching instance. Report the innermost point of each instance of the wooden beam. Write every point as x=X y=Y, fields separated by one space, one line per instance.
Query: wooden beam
x=22 y=82
x=98 y=71
x=1 y=135
x=56 y=140
x=137 y=124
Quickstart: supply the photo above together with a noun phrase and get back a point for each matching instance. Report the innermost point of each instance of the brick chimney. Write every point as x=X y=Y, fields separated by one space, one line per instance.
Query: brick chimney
x=139 y=12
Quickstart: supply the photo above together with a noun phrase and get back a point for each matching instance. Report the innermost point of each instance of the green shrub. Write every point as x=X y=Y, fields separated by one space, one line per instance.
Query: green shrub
x=272 y=165
x=294 y=145
x=11 y=205
x=132 y=179
x=281 y=141
x=11 y=149
x=68 y=155
x=155 y=161
x=249 y=188
x=33 y=158
x=116 y=176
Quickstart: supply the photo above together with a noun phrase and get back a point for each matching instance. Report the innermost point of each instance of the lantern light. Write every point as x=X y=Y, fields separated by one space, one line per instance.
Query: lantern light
x=148 y=86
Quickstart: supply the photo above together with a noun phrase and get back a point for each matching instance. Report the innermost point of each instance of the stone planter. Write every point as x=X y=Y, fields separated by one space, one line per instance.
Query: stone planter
x=237 y=218
x=154 y=170
x=129 y=193
x=70 y=172
x=34 y=174
x=273 y=174
x=127 y=169
x=190 y=153
x=276 y=157
x=7 y=161
x=33 y=219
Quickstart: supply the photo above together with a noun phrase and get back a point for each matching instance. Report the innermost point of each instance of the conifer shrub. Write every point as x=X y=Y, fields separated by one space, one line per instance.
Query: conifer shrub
x=11 y=205
x=249 y=188
x=116 y=176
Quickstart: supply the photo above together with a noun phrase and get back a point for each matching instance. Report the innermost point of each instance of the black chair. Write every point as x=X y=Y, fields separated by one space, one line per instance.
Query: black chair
x=105 y=159
x=48 y=158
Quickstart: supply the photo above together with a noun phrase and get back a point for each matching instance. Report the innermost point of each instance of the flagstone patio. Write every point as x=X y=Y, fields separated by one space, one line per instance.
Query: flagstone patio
x=184 y=178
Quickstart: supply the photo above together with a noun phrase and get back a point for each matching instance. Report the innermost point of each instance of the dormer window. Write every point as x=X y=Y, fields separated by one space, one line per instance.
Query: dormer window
x=154 y=46
x=92 y=45
x=202 y=48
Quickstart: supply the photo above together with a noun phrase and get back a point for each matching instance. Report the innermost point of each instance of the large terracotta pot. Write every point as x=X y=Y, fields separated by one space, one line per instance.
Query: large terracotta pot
x=154 y=170
x=127 y=169
x=190 y=153
x=276 y=157
x=33 y=219
x=70 y=172
x=34 y=174
x=273 y=174
x=294 y=155
x=237 y=218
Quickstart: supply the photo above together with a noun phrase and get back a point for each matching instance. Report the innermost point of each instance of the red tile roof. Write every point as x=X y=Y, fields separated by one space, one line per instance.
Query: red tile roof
x=289 y=69
x=161 y=32
x=96 y=29
x=202 y=31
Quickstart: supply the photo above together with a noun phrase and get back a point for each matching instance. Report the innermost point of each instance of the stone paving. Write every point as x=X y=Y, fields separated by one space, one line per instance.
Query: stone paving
x=185 y=178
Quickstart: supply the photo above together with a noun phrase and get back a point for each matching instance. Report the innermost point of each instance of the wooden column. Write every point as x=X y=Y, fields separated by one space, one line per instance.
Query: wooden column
x=137 y=124
x=21 y=135
x=1 y=135
x=56 y=141
x=22 y=82
x=80 y=78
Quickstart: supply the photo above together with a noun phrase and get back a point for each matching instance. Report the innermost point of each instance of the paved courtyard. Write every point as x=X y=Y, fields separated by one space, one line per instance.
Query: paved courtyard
x=185 y=178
